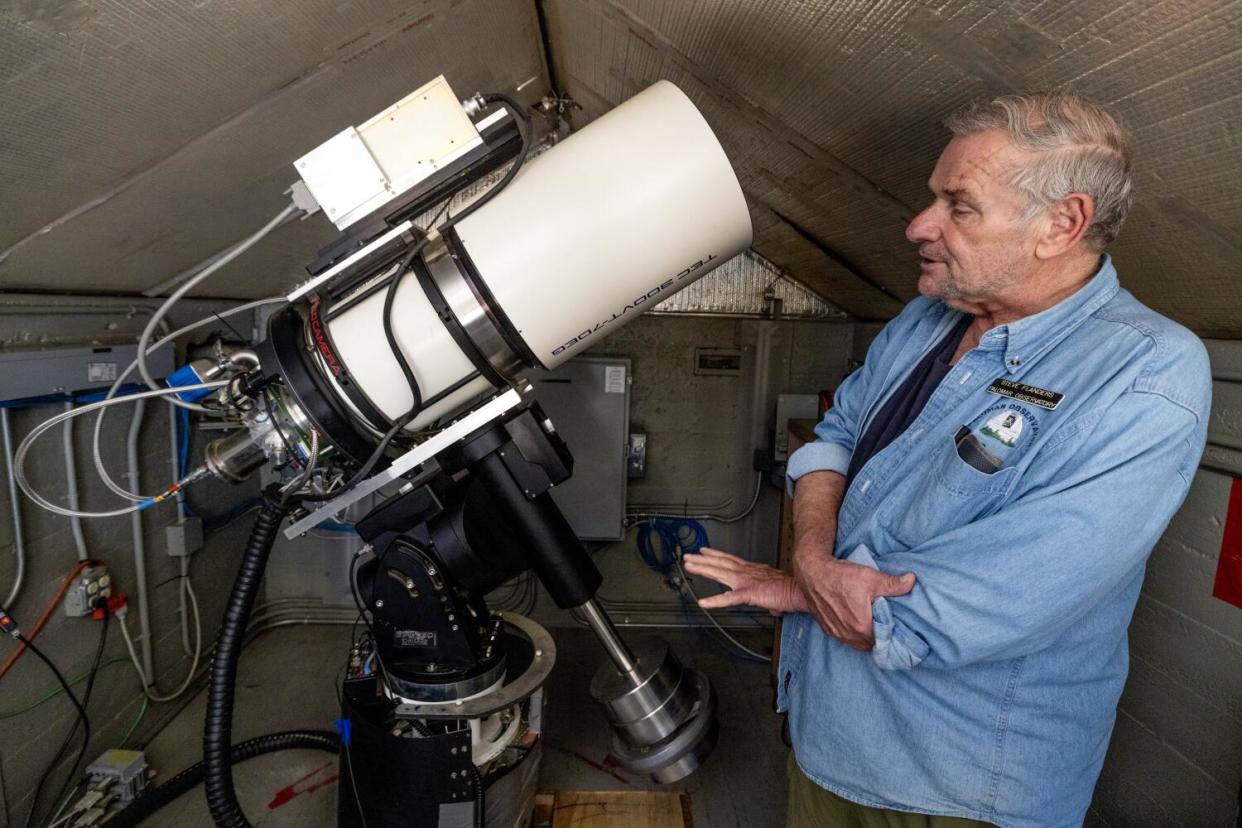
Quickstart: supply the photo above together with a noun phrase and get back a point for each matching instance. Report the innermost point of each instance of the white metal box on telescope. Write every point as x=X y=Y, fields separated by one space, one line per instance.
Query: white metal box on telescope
x=364 y=167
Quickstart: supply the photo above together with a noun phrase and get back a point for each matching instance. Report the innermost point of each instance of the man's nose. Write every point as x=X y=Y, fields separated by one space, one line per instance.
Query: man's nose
x=923 y=227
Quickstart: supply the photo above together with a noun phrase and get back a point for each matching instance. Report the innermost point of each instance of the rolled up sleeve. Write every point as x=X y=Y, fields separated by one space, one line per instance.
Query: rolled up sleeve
x=1013 y=582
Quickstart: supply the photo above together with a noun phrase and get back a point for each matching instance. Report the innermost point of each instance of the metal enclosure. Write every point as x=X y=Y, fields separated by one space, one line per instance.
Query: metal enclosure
x=588 y=400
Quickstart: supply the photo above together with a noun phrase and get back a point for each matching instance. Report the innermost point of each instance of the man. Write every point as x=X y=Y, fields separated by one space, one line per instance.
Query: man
x=972 y=524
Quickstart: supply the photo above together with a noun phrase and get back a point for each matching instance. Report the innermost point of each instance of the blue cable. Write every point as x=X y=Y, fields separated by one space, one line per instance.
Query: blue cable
x=669 y=533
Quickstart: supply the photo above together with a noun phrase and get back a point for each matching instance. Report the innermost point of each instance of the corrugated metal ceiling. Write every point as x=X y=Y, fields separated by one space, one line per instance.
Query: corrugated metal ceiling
x=831 y=112
x=149 y=137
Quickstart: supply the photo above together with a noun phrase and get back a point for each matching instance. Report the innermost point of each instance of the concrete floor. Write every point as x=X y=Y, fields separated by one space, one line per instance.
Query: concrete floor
x=287 y=681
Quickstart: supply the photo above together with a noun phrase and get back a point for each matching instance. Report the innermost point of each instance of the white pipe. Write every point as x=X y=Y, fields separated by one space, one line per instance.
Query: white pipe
x=71 y=484
x=182 y=589
x=174 y=459
x=140 y=550
x=19 y=540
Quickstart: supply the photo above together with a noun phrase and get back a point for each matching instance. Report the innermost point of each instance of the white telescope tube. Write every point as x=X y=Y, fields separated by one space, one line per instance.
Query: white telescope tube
x=623 y=213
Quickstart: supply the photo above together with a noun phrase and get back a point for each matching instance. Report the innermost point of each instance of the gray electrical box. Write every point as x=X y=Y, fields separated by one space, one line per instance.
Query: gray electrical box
x=35 y=373
x=588 y=400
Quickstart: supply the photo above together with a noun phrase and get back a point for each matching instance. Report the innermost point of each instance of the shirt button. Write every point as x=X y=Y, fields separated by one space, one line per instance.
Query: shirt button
x=1015 y=361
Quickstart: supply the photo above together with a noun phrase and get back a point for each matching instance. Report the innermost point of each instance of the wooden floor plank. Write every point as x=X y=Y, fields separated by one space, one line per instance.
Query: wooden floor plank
x=620 y=809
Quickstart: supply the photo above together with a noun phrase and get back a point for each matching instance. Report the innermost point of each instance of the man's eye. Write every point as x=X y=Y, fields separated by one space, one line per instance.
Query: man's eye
x=960 y=212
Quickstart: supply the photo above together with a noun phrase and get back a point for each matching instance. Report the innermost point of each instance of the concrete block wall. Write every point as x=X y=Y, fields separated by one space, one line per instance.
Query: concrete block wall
x=700 y=434
x=29 y=738
x=1176 y=752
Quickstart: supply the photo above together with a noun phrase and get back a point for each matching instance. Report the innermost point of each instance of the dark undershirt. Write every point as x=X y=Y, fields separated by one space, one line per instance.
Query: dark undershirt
x=907 y=402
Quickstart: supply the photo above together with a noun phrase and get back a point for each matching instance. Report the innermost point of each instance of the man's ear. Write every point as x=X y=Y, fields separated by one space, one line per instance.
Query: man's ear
x=1067 y=222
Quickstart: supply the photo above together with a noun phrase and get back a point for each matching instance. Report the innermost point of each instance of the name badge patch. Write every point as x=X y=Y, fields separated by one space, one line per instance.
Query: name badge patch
x=1026 y=393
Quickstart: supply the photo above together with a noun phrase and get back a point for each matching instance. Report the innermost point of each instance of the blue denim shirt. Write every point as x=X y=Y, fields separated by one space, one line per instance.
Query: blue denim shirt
x=1028 y=516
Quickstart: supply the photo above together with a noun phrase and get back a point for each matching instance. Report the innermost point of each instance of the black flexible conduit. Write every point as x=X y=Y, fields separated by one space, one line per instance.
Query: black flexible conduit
x=151 y=801
x=217 y=729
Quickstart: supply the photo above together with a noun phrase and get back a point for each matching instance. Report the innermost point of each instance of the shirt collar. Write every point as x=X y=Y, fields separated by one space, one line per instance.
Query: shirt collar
x=1025 y=339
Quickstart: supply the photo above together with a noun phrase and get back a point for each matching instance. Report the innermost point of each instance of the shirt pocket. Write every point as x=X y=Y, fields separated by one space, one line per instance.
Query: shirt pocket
x=950 y=494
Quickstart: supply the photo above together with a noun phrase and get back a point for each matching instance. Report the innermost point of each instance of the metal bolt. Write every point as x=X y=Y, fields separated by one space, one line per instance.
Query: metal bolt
x=379 y=603
x=538 y=653
x=454 y=628
x=453 y=775
x=409 y=583
x=452 y=617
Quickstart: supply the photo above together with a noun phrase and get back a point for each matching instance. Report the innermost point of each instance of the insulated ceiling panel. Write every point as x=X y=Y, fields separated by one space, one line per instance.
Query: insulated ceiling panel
x=137 y=139
x=831 y=112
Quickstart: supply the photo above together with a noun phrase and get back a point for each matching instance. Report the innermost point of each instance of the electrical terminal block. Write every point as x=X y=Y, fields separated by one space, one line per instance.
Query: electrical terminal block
x=91 y=590
x=119 y=773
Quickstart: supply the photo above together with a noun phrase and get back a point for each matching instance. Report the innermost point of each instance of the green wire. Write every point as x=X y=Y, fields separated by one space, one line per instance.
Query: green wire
x=51 y=694
x=142 y=711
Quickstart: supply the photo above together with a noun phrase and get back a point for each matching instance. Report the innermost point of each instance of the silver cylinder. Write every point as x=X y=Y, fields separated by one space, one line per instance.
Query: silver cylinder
x=236 y=456
x=663 y=716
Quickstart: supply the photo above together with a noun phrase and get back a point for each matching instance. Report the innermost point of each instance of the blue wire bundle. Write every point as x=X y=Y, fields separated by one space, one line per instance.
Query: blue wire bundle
x=658 y=539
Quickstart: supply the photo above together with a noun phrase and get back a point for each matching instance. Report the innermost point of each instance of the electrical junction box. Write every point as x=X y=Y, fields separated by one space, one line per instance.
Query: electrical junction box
x=588 y=401
x=792 y=407
x=718 y=362
x=36 y=373
x=364 y=167
x=184 y=539
x=92 y=582
x=636 y=464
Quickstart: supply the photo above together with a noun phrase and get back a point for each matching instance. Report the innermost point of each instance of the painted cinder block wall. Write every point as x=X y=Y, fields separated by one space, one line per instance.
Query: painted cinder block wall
x=29 y=739
x=1176 y=752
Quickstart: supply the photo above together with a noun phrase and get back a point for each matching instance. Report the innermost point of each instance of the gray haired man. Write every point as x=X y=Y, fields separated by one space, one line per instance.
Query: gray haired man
x=973 y=522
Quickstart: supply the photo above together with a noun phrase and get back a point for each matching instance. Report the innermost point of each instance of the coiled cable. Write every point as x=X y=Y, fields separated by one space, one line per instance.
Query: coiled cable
x=218 y=724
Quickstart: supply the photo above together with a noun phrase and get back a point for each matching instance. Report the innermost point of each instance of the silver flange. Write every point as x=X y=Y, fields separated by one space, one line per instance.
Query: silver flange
x=663 y=716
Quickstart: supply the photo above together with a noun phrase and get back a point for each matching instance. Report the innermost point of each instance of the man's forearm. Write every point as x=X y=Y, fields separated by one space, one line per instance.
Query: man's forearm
x=817 y=500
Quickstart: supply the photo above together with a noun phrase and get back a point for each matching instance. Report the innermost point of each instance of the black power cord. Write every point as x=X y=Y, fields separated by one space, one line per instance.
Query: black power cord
x=8 y=625
x=480 y=802
x=86 y=703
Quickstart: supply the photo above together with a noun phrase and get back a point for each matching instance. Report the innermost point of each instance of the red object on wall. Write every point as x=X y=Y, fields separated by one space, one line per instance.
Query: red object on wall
x=1229 y=569
x=825 y=401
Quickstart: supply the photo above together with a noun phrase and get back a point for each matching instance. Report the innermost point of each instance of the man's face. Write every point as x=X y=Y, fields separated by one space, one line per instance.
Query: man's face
x=971 y=244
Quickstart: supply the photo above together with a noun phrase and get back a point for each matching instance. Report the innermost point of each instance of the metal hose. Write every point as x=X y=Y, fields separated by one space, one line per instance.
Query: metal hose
x=217 y=728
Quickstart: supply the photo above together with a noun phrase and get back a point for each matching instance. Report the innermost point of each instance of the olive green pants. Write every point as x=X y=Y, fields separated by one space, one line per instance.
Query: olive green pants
x=811 y=806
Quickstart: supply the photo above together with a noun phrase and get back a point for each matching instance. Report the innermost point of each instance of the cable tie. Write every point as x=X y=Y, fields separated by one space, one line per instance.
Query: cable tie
x=346 y=728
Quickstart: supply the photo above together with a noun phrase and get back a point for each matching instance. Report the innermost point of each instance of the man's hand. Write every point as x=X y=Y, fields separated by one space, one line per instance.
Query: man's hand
x=839 y=594
x=753 y=584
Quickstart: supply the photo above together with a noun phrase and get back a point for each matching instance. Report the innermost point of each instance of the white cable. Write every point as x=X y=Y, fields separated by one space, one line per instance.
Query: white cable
x=112 y=485
x=636 y=517
x=149 y=331
x=677 y=555
x=71 y=487
x=148 y=685
x=19 y=462
x=15 y=506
